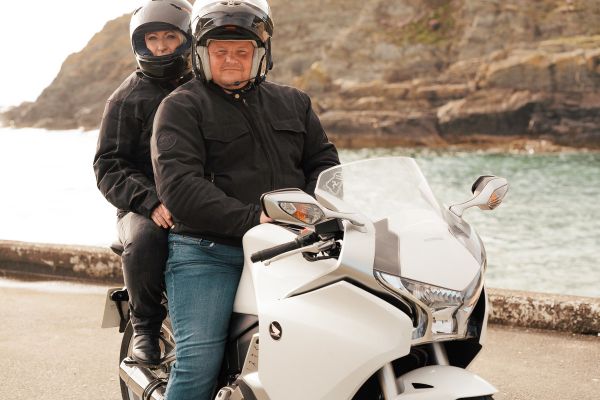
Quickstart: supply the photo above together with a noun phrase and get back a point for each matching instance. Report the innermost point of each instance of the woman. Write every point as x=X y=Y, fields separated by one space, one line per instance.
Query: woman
x=160 y=38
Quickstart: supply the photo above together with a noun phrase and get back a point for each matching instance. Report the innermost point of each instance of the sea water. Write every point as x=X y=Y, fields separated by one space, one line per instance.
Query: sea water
x=544 y=237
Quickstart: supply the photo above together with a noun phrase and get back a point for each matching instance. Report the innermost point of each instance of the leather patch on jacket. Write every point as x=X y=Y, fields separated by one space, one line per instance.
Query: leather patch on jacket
x=166 y=141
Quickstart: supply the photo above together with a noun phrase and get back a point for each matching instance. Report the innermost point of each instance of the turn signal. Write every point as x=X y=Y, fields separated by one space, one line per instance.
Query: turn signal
x=307 y=213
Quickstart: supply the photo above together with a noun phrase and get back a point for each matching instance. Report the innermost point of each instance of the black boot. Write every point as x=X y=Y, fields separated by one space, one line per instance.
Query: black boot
x=145 y=349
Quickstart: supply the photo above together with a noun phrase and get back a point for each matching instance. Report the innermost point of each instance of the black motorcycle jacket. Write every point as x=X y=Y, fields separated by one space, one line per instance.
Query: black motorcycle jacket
x=122 y=162
x=214 y=154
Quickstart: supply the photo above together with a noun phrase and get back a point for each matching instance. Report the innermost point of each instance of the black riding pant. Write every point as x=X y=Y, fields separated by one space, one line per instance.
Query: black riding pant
x=145 y=251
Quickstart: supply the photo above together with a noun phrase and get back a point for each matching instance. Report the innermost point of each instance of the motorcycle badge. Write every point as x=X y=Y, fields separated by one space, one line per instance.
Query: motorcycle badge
x=275 y=330
x=335 y=184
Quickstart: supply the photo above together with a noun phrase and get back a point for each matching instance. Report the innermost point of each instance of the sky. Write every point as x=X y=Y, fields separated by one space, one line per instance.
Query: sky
x=37 y=35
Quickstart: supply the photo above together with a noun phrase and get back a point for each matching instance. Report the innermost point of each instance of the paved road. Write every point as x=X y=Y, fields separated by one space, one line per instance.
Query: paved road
x=52 y=348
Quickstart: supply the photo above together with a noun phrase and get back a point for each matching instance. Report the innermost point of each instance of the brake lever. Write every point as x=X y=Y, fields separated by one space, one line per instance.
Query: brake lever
x=315 y=248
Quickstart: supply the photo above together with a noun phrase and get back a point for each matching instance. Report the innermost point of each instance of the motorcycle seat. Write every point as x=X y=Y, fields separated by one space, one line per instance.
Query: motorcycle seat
x=240 y=324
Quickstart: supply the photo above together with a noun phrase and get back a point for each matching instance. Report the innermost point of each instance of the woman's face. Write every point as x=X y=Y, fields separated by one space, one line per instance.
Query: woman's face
x=161 y=43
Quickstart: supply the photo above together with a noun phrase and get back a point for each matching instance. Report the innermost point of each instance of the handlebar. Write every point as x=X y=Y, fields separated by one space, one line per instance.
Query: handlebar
x=297 y=243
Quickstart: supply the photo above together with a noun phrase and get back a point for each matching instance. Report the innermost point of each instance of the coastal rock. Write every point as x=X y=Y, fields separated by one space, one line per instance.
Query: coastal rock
x=569 y=119
x=381 y=128
x=439 y=94
x=76 y=97
x=489 y=112
x=445 y=71
x=574 y=71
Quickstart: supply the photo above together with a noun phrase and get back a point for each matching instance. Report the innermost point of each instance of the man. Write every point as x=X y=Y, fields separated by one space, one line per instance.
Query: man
x=160 y=38
x=219 y=142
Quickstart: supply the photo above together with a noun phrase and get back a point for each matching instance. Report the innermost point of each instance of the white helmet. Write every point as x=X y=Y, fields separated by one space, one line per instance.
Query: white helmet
x=232 y=20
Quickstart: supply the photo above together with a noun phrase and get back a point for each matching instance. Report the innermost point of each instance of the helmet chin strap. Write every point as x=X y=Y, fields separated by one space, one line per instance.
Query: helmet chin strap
x=257 y=59
x=204 y=62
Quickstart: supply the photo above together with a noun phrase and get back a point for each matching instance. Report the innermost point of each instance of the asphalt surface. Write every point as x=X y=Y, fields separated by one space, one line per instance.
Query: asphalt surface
x=52 y=348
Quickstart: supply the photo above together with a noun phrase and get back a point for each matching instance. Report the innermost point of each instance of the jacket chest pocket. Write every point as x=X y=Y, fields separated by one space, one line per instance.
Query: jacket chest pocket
x=226 y=143
x=290 y=135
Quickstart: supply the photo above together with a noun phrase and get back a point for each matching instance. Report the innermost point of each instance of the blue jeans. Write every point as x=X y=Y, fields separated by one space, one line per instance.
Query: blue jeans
x=201 y=278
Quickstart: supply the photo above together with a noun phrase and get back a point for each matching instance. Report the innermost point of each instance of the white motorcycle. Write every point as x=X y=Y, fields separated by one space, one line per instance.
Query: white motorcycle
x=382 y=297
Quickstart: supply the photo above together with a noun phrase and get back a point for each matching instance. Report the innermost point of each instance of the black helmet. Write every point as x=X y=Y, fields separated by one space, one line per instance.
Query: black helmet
x=161 y=15
x=232 y=20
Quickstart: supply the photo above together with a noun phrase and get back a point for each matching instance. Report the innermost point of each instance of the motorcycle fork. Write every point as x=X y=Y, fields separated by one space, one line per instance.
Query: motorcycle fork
x=387 y=382
x=387 y=377
x=439 y=354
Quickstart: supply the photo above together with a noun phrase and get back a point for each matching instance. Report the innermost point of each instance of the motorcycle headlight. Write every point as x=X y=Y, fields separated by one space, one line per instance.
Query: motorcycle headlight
x=442 y=303
x=447 y=309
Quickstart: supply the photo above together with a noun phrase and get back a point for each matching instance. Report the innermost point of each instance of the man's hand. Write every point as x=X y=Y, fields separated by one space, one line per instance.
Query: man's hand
x=264 y=219
x=161 y=216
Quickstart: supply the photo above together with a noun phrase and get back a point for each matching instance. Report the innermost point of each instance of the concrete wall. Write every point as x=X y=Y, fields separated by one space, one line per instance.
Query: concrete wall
x=95 y=264
x=545 y=311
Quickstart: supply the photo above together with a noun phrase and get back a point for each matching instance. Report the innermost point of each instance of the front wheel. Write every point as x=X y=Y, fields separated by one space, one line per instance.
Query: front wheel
x=167 y=345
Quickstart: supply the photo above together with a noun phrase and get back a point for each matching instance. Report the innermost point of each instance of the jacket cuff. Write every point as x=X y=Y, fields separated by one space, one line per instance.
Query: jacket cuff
x=257 y=216
x=149 y=204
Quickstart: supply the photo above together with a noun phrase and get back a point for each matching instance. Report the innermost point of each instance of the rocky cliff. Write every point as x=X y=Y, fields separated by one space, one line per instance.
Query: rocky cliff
x=407 y=72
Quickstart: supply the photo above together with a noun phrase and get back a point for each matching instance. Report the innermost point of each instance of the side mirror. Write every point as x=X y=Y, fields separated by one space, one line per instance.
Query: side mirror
x=294 y=206
x=488 y=192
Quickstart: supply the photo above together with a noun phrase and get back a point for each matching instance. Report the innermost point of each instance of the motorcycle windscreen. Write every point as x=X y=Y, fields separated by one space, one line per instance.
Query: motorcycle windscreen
x=413 y=231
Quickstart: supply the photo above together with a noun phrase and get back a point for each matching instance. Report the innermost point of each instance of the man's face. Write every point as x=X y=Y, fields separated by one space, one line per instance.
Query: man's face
x=230 y=62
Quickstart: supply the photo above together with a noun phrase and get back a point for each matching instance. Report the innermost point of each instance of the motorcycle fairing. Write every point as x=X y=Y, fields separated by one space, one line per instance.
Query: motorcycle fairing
x=442 y=382
x=260 y=283
x=427 y=251
x=327 y=342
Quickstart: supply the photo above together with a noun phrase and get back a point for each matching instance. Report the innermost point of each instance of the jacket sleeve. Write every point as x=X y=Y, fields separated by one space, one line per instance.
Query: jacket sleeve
x=117 y=177
x=178 y=158
x=319 y=153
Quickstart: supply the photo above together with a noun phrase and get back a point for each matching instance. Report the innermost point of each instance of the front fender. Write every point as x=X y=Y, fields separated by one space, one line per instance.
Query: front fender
x=442 y=382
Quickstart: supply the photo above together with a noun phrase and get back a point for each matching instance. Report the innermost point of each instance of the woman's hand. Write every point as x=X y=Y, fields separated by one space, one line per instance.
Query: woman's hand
x=162 y=217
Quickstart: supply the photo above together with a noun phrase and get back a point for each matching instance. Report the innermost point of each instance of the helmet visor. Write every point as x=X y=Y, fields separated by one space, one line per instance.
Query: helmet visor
x=219 y=25
x=138 y=40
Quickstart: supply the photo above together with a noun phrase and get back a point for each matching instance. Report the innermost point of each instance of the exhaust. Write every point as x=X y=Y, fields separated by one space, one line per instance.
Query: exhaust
x=141 y=381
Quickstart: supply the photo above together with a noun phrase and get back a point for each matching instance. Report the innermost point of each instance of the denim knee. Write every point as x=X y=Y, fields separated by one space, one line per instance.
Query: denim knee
x=202 y=278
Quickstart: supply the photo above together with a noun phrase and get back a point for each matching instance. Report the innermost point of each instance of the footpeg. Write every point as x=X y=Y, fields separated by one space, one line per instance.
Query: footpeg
x=130 y=362
x=224 y=394
x=229 y=393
